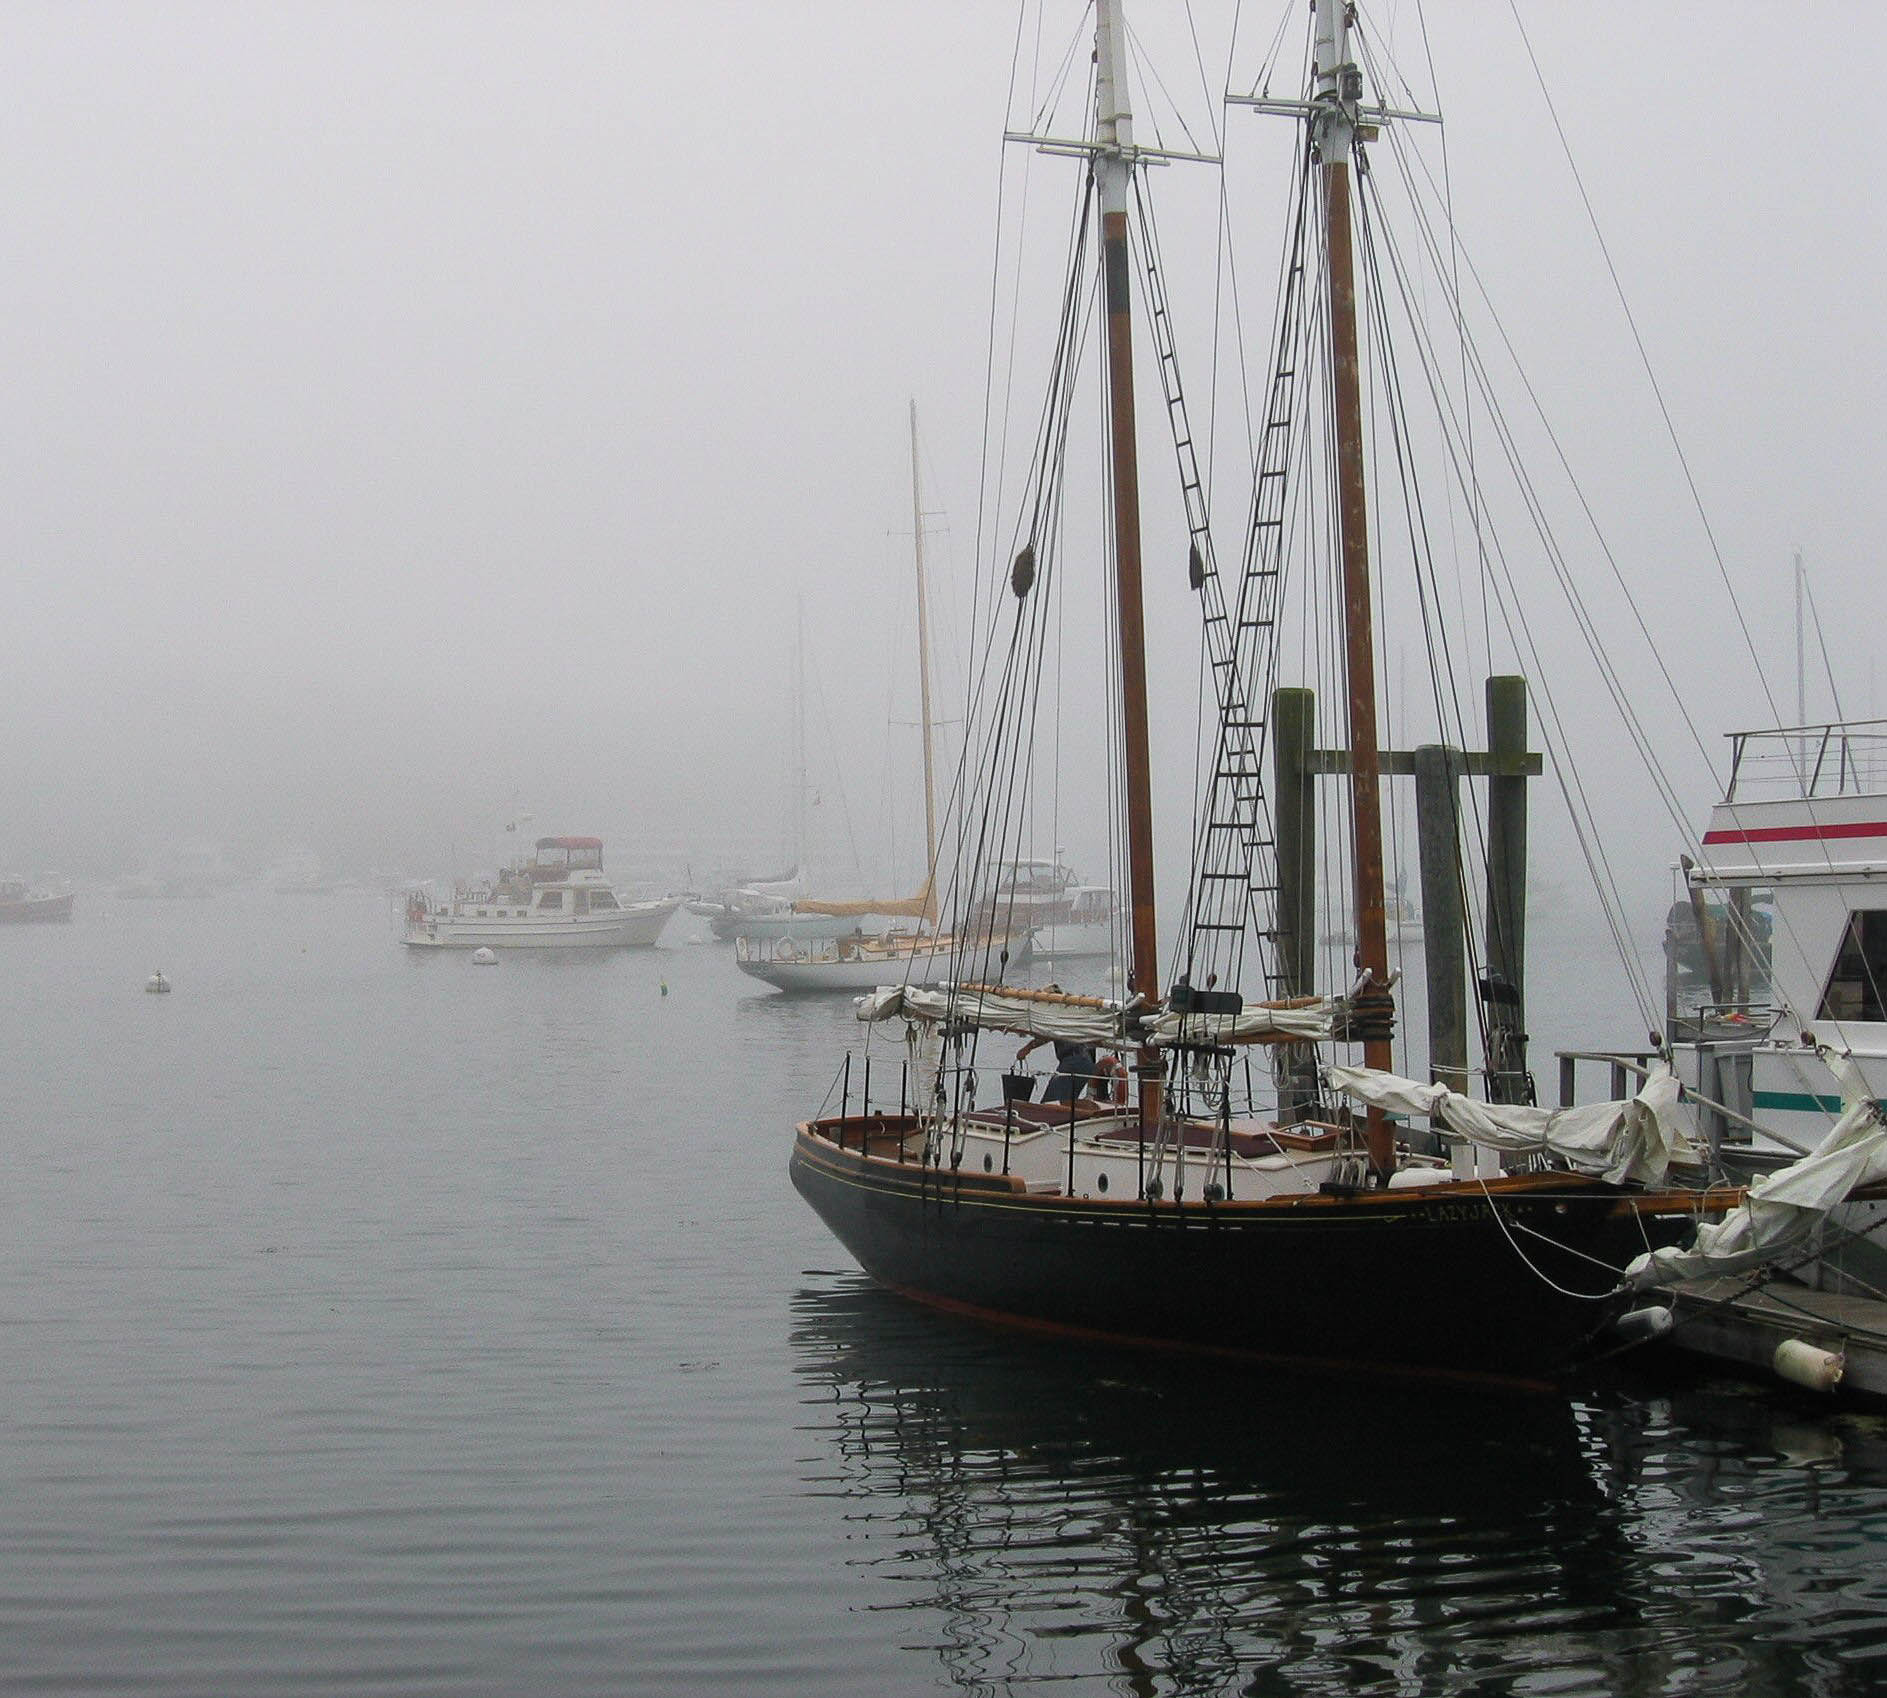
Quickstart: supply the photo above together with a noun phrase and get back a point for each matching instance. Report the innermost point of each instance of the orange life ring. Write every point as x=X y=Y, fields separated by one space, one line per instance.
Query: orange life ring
x=1114 y=1070
x=784 y=950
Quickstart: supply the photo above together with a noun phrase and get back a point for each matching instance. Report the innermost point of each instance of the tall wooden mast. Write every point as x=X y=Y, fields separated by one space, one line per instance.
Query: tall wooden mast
x=1335 y=100
x=1113 y=167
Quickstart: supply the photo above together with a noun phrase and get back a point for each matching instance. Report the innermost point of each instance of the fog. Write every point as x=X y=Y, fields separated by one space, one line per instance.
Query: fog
x=420 y=417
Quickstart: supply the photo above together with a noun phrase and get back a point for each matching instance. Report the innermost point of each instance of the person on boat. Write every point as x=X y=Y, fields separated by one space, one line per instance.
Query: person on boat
x=1076 y=1068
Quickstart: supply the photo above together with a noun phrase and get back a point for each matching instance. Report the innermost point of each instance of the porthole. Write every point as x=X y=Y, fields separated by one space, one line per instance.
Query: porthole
x=1100 y=1182
x=988 y=1163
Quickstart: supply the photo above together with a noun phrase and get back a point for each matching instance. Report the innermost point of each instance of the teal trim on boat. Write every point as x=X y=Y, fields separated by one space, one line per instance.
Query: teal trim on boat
x=1798 y=1102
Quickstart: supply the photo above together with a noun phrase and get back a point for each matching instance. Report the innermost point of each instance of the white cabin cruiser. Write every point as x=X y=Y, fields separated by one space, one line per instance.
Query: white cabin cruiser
x=559 y=900
x=1791 y=884
x=1046 y=901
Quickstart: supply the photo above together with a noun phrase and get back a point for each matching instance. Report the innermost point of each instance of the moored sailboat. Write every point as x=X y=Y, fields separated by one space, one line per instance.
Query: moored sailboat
x=822 y=944
x=1177 y=1215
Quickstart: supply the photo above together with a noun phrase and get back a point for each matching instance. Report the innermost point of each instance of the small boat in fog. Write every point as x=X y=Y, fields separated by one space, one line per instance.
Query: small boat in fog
x=1047 y=902
x=20 y=905
x=559 y=900
x=851 y=961
x=734 y=909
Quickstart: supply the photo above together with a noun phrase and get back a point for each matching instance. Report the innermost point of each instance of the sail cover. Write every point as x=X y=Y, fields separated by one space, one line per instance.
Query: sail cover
x=922 y=906
x=1091 y=1020
x=1783 y=1210
x=1635 y=1141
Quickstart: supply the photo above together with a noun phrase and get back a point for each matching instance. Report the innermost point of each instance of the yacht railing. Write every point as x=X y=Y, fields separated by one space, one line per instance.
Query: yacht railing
x=1807 y=762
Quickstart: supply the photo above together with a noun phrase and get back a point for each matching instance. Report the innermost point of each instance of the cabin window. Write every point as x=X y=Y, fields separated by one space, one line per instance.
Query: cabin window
x=1854 y=988
x=581 y=898
x=601 y=900
x=550 y=901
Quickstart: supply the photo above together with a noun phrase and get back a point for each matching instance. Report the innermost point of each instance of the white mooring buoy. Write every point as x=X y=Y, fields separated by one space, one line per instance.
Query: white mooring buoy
x=483 y=957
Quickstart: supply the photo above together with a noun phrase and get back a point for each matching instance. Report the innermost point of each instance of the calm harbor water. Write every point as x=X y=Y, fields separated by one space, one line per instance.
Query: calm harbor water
x=378 y=1325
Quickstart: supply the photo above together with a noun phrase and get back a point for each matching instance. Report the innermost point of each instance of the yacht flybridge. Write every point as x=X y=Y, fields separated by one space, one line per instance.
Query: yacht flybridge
x=561 y=899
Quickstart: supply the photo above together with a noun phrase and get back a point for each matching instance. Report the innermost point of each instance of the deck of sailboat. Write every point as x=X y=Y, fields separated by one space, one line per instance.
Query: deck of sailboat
x=897 y=1142
x=1113 y=1123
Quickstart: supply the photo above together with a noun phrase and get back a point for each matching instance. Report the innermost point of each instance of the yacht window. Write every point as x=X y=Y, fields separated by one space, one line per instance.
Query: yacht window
x=1854 y=988
x=581 y=900
x=601 y=899
x=549 y=901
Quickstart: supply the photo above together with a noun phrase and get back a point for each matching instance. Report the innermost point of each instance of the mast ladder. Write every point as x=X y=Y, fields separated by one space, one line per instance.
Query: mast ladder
x=1229 y=897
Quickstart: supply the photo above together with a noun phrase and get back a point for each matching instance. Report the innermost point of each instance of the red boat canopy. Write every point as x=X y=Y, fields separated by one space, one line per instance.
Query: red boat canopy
x=570 y=843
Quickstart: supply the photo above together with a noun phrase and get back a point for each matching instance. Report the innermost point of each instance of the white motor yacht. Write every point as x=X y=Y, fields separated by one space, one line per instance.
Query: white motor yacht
x=559 y=900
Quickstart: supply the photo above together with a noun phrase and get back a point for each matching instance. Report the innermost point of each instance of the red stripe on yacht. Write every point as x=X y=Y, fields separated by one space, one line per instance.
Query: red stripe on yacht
x=1796 y=833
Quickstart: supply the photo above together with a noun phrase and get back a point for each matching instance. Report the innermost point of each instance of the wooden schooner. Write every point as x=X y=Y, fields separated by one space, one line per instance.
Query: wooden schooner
x=1178 y=1214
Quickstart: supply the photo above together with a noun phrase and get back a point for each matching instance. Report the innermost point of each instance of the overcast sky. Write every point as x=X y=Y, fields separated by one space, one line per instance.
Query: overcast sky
x=419 y=413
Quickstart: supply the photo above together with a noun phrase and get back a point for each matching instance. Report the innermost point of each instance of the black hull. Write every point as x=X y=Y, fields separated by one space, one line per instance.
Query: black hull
x=1441 y=1280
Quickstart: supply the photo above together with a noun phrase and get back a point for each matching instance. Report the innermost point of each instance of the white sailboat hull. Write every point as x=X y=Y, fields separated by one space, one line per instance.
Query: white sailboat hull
x=636 y=925
x=1069 y=941
x=840 y=964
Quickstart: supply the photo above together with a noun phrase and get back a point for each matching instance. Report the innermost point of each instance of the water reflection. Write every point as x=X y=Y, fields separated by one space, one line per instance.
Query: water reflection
x=1154 y=1525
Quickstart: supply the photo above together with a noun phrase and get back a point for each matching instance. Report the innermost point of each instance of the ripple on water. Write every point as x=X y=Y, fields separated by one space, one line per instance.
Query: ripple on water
x=380 y=1327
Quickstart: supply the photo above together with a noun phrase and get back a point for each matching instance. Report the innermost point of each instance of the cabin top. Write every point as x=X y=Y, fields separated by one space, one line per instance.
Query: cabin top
x=1023 y=877
x=569 y=854
x=1802 y=802
x=1809 y=762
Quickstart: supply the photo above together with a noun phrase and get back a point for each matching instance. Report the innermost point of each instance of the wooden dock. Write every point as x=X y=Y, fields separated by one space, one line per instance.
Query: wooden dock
x=1729 y=1319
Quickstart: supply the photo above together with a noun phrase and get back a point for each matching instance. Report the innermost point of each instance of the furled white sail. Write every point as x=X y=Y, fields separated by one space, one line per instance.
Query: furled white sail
x=1300 y=1020
x=1094 y=1020
x=1633 y=1141
x=1783 y=1209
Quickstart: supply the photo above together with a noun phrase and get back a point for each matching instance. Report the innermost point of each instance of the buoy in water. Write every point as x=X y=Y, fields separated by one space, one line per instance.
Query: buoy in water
x=665 y=987
x=157 y=985
x=484 y=957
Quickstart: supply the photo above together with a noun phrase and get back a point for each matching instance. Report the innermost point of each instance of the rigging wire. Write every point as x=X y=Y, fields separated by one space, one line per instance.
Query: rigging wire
x=993 y=797
x=1674 y=808
x=1821 y=642
x=1644 y=356
x=1510 y=603
x=1460 y=324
